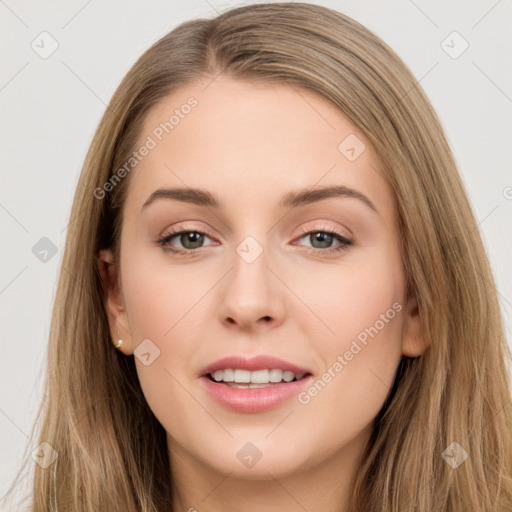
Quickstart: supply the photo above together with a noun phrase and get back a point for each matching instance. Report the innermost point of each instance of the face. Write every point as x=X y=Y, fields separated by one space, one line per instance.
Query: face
x=234 y=265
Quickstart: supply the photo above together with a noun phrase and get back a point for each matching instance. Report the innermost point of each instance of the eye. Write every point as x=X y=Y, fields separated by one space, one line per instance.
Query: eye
x=190 y=241
x=322 y=239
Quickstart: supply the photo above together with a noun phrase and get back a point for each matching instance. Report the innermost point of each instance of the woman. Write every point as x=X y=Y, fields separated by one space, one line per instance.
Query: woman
x=271 y=230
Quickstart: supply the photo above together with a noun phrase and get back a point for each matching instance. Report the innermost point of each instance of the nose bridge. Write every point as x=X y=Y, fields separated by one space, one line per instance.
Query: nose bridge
x=251 y=292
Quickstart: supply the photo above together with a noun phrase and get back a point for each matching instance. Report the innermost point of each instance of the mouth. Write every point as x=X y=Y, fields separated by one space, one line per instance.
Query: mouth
x=257 y=379
x=254 y=391
x=253 y=385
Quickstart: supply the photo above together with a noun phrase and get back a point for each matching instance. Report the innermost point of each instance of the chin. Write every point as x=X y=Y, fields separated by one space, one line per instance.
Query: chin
x=257 y=458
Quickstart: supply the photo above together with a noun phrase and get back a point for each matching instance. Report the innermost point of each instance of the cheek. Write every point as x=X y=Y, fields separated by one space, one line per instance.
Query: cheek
x=355 y=383
x=166 y=305
x=343 y=300
x=360 y=348
x=162 y=297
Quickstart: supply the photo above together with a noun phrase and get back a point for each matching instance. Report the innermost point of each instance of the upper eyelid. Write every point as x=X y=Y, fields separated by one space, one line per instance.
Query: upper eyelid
x=184 y=227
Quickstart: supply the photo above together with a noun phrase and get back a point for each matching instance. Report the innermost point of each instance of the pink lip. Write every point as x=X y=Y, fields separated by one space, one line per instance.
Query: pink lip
x=258 y=399
x=254 y=363
x=254 y=400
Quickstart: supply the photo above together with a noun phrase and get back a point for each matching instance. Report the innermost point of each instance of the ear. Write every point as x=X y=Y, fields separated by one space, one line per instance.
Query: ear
x=414 y=342
x=113 y=300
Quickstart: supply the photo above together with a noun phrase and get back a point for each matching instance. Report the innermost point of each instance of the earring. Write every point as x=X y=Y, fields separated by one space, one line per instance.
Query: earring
x=119 y=341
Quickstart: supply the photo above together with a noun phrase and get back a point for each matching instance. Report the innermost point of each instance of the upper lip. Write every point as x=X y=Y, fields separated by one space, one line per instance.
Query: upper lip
x=260 y=362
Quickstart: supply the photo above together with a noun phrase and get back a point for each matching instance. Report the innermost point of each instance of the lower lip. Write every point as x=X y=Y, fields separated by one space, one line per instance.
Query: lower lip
x=257 y=399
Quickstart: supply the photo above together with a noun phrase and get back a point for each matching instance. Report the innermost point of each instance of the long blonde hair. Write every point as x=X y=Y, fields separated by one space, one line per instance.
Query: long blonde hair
x=112 y=452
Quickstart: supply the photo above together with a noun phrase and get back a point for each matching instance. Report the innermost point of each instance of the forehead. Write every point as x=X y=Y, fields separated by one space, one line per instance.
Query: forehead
x=251 y=142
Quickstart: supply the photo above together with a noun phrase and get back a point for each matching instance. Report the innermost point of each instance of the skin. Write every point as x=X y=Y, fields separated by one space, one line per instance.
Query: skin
x=249 y=144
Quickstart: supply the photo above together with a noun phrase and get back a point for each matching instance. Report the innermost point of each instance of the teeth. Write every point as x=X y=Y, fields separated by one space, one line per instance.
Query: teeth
x=227 y=375
x=260 y=377
x=288 y=376
x=242 y=376
x=256 y=377
x=276 y=375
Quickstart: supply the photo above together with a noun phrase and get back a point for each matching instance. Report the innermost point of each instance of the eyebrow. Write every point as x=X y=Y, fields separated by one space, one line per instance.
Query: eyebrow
x=291 y=199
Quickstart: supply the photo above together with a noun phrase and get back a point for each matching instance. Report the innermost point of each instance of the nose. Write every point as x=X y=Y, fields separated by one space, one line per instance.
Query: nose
x=252 y=296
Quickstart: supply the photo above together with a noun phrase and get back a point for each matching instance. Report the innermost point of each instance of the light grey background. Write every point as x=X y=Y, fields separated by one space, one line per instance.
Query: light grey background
x=51 y=106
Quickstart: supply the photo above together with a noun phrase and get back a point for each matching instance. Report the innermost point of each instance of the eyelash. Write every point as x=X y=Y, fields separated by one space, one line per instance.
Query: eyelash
x=164 y=242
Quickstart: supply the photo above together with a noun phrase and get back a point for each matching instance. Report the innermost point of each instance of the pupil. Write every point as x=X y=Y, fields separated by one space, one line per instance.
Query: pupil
x=324 y=239
x=193 y=238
